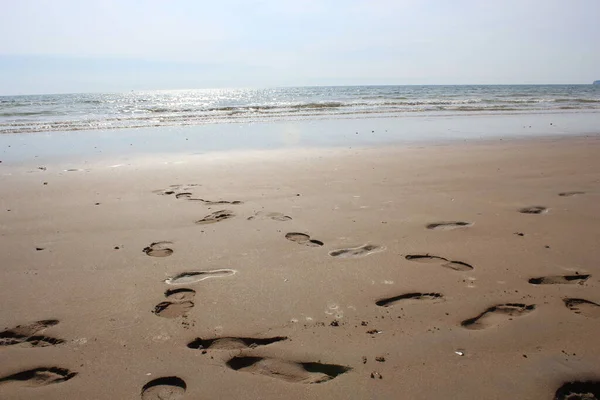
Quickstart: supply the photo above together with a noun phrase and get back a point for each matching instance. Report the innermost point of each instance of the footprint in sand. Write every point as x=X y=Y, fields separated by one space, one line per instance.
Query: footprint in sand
x=197 y=276
x=28 y=335
x=232 y=343
x=570 y=194
x=359 y=251
x=559 y=279
x=304 y=239
x=158 y=249
x=583 y=307
x=448 y=225
x=421 y=297
x=579 y=390
x=533 y=210
x=444 y=262
x=497 y=315
x=39 y=376
x=172 y=189
x=178 y=304
x=275 y=216
x=167 y=388
x=216 y=216
x=290 y=371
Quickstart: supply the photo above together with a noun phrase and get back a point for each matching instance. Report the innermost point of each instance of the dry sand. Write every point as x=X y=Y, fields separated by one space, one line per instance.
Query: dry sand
x=321 y=274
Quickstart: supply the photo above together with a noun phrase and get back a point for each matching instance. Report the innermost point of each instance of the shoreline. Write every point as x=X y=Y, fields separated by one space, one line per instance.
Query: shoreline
x=124 y=143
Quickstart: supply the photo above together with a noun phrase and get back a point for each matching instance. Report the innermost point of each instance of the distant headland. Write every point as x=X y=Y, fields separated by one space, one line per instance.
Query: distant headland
x=596 y=83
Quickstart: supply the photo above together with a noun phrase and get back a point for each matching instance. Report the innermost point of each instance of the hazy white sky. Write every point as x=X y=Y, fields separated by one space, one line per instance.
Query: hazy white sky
x=58 y=46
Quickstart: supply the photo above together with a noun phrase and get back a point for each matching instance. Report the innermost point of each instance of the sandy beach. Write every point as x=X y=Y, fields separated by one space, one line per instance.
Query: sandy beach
x=425 y=271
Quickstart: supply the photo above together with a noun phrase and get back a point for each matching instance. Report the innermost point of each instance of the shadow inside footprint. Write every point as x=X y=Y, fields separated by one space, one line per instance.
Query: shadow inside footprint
x=158 y=249
x=496 y=315
x=360 y=251
x=304 y=239
x=233 y=343
x=290 y=371
x=428 y=297
x=197 y=276
x=40 y=376
x=167 y=388
x=26 y=335
x=583 y=307
x=183 y=294
x=444 y=262
x=578 y=390
x=448 y=225
x=559 y=280
x=533 y=210
x=216 y=216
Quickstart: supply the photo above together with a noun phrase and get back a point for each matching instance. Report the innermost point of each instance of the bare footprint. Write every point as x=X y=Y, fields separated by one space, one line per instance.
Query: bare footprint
x=570 y=194
x=578 y=390
x=304 y=239
x=289 y=371
x=180 y=302
x=444 y=262
x=215 y=202
x=428 y=297
x=167 y=388
x=448 y=225
x=559 y=279
x=216 y=216
x=40 y=376
x=497 y=315
x=359 y=251
x=197 y=276
x=275 y=216
x=533 y=210
x=28 y=335
x=232 y=343
x=158 y=249
x=583 y=307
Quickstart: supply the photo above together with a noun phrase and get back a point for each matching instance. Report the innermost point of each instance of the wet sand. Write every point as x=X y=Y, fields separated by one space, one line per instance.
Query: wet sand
x=465 y=270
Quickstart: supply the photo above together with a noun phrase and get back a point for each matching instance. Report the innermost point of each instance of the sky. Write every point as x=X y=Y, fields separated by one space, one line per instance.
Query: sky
x=74 y=46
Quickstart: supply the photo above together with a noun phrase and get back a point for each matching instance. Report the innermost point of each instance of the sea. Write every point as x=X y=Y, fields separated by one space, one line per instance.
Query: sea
x=143 y=109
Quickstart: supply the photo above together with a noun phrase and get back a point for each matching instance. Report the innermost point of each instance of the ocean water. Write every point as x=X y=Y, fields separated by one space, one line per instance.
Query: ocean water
x=93 y=111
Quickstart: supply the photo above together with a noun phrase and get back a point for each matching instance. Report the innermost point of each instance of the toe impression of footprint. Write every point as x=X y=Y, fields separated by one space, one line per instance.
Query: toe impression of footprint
x=179 y=302
x=583 y=307
x=29 y=335
x=158 y=249
x=290 y=371
x=359 y=251
x=437 y=260
x=166 y=388
x=497 y=315
x=303 y=239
